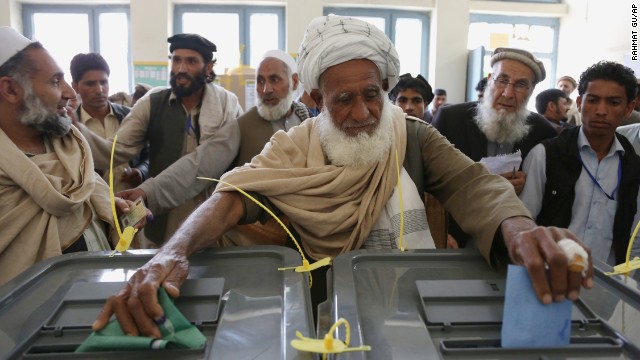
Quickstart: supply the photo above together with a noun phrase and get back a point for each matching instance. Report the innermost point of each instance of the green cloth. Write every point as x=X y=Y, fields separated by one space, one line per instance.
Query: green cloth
x=177 y=333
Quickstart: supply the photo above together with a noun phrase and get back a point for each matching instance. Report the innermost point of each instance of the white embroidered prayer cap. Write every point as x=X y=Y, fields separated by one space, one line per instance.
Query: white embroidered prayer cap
x=284 y=57
x=12 y=43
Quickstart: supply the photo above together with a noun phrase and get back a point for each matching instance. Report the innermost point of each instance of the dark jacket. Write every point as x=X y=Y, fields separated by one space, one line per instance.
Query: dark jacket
x=563 y=168
x=457 y=124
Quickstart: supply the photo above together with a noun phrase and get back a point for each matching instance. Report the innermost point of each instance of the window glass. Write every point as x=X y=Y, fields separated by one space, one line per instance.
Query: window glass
x=375 y=21
x=408 y=30
x=67 y=30
x=407 y=40
x=537 y=35
x=242 y=34
x=223 y=30
x=58 y=33
x=530 y=37
x=114 y=47
x=266 y=38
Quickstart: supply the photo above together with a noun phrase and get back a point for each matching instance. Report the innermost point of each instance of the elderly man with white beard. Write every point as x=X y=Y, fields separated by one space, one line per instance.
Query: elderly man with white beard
x=52 y=200
x=276 y=85
x=336 y=176
x=500 y=123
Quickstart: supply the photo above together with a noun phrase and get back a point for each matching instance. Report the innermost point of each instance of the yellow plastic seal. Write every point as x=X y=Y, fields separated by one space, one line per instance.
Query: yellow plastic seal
x=125 y=237
x=629 y=265
x=327 y=345
x=305 y=267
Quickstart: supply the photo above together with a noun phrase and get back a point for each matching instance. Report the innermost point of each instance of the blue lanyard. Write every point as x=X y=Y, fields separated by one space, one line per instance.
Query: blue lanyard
x=610 y=197
x=190 y=125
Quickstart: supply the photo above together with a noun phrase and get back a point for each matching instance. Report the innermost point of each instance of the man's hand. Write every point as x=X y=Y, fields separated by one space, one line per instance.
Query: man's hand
x=71 y=114
x=124 y=206
x=535 y=248
x=452 y=243
x=132 y=176
x=517 y=179
x=132 y=194
x=136 y=305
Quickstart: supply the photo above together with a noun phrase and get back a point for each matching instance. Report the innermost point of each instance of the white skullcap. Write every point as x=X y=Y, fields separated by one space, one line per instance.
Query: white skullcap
x=284 y=57
x=12 y=43
x=332 y=40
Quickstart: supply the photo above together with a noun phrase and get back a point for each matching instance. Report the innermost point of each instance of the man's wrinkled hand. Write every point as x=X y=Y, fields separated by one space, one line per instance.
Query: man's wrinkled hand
x=136 y=306
x=536 y=248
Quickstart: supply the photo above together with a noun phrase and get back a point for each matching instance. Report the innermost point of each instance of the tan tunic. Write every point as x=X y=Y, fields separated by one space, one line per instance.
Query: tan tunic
x=333 y=208
x=48 y=201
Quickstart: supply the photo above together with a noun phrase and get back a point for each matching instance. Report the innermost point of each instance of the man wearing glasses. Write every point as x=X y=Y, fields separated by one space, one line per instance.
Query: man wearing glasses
x=500 y=124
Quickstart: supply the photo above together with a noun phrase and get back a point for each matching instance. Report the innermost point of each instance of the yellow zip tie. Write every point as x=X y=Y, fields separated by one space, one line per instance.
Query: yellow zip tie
x=327 y=345
x=306 y=267
x=125 y=238
x=628 y=265
x=400 y=244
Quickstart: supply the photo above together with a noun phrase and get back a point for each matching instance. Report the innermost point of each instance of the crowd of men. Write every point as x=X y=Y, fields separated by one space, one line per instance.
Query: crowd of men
x=331 y=171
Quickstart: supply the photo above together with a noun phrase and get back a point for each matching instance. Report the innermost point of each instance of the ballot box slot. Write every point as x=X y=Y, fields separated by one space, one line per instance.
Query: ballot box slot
x=199 y=301
x=604 y=346
x=461 y=302
x=62 y=343
x=70 y=323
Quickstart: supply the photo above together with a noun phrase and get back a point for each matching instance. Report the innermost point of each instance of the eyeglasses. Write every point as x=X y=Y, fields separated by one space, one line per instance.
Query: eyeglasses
x=518 y=86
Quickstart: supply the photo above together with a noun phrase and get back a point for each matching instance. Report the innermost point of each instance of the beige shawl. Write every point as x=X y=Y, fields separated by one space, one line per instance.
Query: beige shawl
x=46 y=201
x=333 y=208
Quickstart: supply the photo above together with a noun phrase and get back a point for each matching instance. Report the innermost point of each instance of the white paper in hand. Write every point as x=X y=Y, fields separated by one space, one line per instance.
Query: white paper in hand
x=503 y=163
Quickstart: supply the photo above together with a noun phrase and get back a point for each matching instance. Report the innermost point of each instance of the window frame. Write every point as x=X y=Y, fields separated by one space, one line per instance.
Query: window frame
x=93 y=12
x=390 y=17
x=244 y=14
x=529 y=20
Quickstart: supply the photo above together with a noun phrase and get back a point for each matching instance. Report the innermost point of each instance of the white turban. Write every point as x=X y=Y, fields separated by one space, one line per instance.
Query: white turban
x=12 y=43
x=332 y=40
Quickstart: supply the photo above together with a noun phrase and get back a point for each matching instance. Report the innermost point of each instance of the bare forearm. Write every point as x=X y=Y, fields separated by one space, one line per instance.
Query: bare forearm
x=205 y=226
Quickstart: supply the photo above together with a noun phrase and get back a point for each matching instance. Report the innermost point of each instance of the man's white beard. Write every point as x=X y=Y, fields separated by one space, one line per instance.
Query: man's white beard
x=501 y=126
x=362 y=149
x=34 y=114
x=277 y=111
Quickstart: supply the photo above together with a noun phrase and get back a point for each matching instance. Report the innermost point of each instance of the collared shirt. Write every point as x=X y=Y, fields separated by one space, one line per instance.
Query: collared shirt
x=106 y=130
x=593 y=213
x=632 y=133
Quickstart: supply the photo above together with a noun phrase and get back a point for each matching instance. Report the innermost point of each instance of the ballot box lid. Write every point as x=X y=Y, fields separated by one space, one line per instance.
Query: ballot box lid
x=448 y=304
x=237 y=297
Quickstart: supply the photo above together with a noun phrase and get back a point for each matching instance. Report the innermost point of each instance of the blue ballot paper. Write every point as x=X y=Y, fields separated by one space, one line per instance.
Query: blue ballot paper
x=529 y=323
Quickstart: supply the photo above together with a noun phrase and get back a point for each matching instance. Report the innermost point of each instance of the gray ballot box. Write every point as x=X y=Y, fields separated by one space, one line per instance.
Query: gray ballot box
x=448 y=304
x=237 y=297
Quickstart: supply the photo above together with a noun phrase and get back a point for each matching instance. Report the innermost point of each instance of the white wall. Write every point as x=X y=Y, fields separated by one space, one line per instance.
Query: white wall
x=10 y=14
x=593 y=30
x=590 y=30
